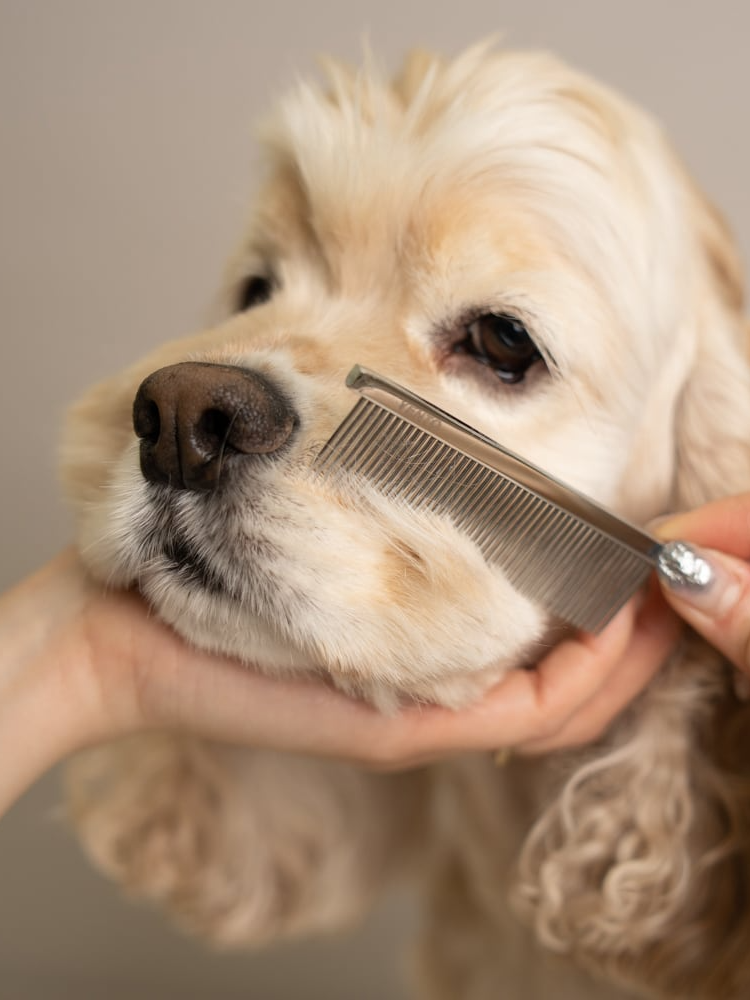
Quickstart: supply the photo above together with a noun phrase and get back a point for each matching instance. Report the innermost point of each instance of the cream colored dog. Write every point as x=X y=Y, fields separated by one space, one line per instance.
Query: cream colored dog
x=519 y=245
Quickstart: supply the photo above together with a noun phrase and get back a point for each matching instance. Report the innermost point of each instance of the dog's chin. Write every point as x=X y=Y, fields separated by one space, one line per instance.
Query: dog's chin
x=193 y=597
x=190 y=569
x=202 y=606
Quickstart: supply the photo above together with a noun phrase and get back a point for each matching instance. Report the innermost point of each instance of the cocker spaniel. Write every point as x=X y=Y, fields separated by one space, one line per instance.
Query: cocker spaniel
x=520 y=245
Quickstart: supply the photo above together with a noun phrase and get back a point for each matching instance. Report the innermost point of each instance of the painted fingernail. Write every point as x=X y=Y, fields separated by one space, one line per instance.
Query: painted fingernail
x=681 y=566
x=697 y=578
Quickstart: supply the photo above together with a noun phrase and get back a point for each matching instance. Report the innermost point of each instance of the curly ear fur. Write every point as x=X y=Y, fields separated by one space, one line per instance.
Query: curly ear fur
x=640 y=868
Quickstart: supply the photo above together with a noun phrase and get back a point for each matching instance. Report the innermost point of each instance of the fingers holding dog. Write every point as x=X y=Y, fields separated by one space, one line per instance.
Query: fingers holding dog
x=569 y=699
x=710 y=589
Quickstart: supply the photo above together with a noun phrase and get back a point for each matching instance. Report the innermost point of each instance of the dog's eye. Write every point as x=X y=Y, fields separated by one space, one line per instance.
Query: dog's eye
x=502 y=343
x=253 y=291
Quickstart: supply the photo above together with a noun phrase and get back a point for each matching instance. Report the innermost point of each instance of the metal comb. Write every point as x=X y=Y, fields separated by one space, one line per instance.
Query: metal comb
x=556 y=546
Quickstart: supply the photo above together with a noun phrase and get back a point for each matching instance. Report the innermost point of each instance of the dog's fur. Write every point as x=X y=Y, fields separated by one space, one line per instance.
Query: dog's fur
x=391 y=214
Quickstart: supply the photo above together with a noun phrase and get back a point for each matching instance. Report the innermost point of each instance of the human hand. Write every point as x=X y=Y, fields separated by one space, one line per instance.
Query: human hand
x=568 y=699
x=710 y=589
x=81 y=666
x=131 y=672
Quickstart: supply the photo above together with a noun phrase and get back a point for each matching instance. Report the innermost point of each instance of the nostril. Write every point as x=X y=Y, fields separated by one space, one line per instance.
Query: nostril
x=213 y=427
x=147 y=420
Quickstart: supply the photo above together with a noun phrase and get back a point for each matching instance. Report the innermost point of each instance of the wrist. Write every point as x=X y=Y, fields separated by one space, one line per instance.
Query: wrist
x=49 y=704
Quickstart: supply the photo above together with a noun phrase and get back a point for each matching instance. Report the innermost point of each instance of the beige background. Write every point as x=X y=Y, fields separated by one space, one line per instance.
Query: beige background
x=127 y=158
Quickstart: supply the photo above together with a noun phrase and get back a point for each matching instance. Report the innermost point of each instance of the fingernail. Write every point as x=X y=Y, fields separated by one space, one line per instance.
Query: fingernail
x=696 y=578
x=680 y=565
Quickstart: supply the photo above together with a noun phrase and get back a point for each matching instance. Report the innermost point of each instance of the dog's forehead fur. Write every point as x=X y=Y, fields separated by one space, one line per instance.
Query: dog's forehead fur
x=549 y=156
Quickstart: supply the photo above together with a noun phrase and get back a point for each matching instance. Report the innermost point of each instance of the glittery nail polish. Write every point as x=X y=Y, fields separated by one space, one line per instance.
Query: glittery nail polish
x=699 y=578
x=681 y=566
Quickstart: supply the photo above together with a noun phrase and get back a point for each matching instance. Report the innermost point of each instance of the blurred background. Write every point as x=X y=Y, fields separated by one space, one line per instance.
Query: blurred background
x=128 y=162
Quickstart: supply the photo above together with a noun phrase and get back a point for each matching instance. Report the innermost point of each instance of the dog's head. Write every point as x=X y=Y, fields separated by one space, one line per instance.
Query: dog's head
x=502 y=235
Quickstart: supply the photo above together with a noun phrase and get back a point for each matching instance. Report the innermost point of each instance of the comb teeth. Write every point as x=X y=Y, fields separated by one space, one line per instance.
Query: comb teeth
x=553 y=556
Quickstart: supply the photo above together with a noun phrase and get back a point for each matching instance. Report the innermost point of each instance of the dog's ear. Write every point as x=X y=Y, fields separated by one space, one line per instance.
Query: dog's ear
x=712 y=419
x=693 y=442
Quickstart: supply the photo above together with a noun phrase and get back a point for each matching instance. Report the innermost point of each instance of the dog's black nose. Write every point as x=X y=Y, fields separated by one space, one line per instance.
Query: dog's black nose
x=195 y=420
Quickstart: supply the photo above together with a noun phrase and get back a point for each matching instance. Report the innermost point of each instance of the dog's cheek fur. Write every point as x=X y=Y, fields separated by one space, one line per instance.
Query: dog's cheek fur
x=426 y=619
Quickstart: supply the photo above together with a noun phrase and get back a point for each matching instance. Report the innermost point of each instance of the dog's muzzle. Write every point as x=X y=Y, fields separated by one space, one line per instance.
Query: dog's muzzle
x=198 y=422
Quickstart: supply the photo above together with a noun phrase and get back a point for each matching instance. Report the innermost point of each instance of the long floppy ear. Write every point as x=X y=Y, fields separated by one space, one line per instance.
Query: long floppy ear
x=640 y=868
x=712 y=421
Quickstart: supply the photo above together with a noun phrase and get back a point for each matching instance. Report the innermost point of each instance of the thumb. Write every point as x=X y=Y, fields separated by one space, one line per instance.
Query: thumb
x=711 y=591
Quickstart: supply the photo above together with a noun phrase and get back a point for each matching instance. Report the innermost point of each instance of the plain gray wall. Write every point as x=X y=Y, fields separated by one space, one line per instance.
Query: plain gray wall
x=127 y=161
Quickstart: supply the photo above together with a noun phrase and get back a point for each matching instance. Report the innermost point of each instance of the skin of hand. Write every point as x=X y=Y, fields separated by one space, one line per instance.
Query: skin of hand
x=81 y=666
x=718 y=604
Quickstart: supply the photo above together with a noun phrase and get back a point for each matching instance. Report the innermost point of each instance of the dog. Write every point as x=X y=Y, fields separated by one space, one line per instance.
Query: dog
x=520 y=245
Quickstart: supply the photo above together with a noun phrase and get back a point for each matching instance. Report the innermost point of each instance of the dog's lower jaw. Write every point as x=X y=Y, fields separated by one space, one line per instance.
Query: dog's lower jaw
x=227 y=631
x=383 y=686
x=451 y=691
x=383 y=666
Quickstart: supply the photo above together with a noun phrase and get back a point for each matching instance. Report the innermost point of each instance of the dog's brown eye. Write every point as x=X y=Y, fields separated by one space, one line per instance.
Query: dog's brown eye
x=502 y=343
x=254 y=291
